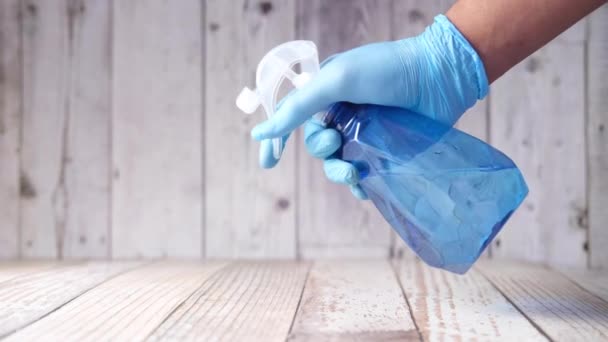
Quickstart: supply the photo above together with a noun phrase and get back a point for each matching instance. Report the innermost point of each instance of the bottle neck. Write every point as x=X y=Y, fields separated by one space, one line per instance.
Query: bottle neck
x=340 y=115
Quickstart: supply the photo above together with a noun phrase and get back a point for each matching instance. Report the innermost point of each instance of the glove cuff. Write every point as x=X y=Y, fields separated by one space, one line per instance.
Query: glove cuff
x=469 y=55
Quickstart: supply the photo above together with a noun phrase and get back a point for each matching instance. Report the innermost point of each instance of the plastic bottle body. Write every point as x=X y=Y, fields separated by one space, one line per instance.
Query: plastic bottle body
x=446 y=193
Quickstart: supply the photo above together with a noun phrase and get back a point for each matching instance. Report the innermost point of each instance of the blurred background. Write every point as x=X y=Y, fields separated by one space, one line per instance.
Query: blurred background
x=119 y=137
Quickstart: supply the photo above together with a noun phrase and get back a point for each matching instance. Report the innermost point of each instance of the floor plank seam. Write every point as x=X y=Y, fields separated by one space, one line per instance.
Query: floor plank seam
x=236 y=328
x=227 y=292
x=248 y=290
x=529 y=319
x=407 y=302
x=212 y=278
x=295 y=313
x=74 y=298
x=565 y=275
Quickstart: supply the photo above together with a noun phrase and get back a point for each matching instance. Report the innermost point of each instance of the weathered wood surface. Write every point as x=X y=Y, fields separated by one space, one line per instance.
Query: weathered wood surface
x=330 y=219
x=43 y=192
x=10 y=120
x=157 y=129
x=128 y=307
x=597 y=136
x=353 y=300
x=562 y=309
x=65 y=152
x=245 y=301
x=593 y=281
x=250 y=212
x=11 y=270
x=86 y=162
x=340 y=300
x=448 y=307
x=538 y=119
x=33 y=295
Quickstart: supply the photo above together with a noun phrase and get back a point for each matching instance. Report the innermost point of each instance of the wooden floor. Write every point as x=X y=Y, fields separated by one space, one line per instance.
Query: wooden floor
x=303 y=301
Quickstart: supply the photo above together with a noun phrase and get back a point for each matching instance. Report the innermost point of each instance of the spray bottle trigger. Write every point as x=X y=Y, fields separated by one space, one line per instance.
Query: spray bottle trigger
x=301 y=79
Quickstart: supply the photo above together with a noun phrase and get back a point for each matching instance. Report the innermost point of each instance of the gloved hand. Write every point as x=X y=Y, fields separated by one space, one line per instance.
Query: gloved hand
x=437 y=74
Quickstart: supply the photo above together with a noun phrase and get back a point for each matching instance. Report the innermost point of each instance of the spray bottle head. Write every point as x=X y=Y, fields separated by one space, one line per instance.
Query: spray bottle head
x=273 y=69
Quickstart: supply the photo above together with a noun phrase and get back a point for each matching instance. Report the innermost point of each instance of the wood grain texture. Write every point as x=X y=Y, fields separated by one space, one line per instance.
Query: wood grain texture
x=597 y=136
x=27 y=298
x=558 y=306
x=15 y=269
x=247 y=301
x=329 y=217
x=65 y=139
x=126 y=308
x=45 y=94
x=86 y=160
x=537 y=119
x=594 y=281
x=411 y=17
x=353 y=300
x=250 y=212
x=448 y=307
x=10 y=123
x=157 y=120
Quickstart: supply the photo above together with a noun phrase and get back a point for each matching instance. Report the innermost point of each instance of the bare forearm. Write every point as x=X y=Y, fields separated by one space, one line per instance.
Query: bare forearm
x=503 y=32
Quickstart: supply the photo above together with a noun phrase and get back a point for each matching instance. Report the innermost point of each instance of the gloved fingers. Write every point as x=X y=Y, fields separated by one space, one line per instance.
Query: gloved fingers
x=358 y=192
x=341 y=172
x=323 y=90
x=321 y=142
x=266 y=157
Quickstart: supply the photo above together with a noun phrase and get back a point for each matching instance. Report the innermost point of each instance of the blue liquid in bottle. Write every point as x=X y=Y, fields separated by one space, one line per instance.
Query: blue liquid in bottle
x=445 y=192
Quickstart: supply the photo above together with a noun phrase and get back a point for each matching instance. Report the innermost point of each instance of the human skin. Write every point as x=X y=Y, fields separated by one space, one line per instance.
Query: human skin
x=504 y=32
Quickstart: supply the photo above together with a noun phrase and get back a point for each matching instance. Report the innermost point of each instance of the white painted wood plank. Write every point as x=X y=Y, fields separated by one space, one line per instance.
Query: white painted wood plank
x=27 y=298
x=65 y=138
x=45 y=65
x=157 y=127
x=353 y=300
x=466 y=307
x=328 y=213
x=475 y=120
x=87 y=141
x=537 y=118
x=126 y=308
x=250 y=212
x=247 y=301
x=344 y=252
x=597 y=136
x=10 y=119
x=15 y=269
x=411 y=17
x=558 y=306
x=594 y=281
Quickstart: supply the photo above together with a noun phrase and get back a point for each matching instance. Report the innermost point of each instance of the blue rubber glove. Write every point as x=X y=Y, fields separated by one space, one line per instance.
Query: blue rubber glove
x=437 y=74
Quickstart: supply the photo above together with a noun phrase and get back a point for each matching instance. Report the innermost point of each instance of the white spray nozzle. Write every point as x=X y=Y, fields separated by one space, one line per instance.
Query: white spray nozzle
x=276 y=66
x=248 y=101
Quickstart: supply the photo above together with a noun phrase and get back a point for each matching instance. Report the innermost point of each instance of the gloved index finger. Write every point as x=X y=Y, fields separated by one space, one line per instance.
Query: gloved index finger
x=314 y=97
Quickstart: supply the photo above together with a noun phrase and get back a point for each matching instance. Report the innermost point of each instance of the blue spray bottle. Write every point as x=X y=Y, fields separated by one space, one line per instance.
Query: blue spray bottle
x=445 y=192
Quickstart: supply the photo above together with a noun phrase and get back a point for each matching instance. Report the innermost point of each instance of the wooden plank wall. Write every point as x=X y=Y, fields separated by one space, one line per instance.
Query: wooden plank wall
x=244 y=205
x=119 y=137
x=157 y=128
x=538 y=118
x=10 y=121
